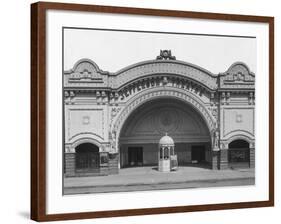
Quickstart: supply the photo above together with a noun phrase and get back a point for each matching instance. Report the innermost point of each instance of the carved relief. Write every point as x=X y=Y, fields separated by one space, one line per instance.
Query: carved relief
x=251 y=98
x=85 y=71
x=164 y=81
x=166 y=55
x=222 y=145
x=86 y=120
x=239 y=117
x=237 y=76
x=115 y=111
x=69 y=149
x=160 y=67
x=216 y=141
x=69 y=97
x=112 y=140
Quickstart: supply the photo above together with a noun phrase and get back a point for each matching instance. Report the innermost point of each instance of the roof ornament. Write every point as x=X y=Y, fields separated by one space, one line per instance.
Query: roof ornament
x=165 y=55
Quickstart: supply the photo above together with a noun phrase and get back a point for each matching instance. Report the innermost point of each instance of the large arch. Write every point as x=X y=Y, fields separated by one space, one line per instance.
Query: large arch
x=157 y=93
x=198 y=136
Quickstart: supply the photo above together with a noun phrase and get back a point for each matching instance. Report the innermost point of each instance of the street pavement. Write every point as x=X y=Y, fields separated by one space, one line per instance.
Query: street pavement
x=149 y=178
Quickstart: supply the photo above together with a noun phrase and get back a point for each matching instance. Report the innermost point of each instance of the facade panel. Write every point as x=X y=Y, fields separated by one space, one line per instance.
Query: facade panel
x=124 y=114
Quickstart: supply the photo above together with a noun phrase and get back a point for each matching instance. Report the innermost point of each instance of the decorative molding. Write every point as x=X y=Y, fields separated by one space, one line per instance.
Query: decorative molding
x=86 y=133
x=172 y=68
x=165 y=55
x=239 y=136
x=85 y=140
x=133 y=88
x=237 y=76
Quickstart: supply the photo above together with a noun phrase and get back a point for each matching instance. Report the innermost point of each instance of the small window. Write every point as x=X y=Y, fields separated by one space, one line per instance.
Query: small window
x=166 y=153
x=161 y=153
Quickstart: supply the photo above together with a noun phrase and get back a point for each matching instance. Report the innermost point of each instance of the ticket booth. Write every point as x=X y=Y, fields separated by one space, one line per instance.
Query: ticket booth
x=167 y=160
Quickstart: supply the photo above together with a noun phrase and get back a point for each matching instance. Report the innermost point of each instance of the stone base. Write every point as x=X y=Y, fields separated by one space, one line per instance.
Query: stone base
x=107 y=167
x=69 y=166
x=223 y=161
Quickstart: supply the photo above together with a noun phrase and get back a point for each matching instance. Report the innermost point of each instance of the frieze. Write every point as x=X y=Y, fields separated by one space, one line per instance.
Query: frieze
x=159 y=67
x=163 y=81
x=85 y=76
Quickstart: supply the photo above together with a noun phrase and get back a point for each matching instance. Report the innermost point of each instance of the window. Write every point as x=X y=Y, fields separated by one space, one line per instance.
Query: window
x=166 y=153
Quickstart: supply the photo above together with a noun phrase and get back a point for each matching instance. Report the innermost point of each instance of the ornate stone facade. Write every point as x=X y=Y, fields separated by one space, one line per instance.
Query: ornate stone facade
x=98 y=104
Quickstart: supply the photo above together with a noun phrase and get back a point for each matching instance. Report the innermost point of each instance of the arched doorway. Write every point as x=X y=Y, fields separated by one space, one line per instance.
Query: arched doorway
x=238 y=153
x=142 y=130
x=87 y=158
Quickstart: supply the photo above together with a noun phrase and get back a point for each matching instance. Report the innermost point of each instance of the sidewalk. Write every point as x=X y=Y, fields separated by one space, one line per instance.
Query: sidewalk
x=142 y=176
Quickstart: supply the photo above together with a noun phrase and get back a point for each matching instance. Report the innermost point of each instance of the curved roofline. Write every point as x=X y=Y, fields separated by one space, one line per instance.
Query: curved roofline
x=243 y=64
x=82 y=60
x=165 y=61
x=158 y=61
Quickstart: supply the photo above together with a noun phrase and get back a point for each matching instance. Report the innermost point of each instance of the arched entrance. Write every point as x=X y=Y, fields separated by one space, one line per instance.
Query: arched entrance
x=140 y=134
x=238 y=153
x=87 y=158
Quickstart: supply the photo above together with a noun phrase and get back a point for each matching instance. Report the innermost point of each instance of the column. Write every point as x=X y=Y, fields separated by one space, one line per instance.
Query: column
x=214 y=160
x=223 y=163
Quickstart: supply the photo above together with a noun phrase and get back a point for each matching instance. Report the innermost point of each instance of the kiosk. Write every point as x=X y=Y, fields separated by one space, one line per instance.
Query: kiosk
x=167 y=160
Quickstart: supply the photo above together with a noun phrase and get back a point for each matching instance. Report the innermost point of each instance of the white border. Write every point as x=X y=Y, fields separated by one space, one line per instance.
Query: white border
x=56 y=203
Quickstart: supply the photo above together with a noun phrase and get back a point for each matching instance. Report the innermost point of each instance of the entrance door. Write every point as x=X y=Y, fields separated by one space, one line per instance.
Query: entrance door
x=135 y=156
x=198 y=153
x=239 y=154
x=87 y=158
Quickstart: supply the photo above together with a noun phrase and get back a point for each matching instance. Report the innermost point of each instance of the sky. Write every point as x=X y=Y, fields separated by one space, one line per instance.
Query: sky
x=114 y=50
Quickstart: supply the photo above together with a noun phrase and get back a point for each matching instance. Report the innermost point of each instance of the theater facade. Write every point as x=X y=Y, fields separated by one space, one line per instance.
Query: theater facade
x=114 y=120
